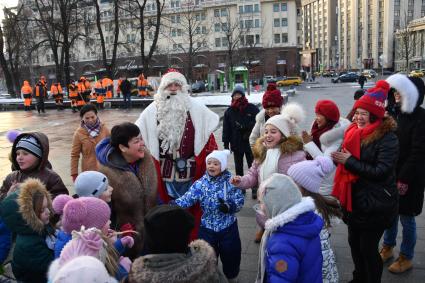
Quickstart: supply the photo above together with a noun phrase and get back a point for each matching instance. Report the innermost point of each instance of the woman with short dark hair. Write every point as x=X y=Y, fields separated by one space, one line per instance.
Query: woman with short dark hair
x=90 y=132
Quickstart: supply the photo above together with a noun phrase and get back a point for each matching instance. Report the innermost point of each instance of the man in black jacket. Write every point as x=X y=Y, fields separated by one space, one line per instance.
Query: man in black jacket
x=239 y=119
x=404 y=101
x=126 y=92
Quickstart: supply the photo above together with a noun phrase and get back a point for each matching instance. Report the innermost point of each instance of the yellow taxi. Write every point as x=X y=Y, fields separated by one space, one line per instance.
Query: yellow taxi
x=289 y=81
x=416 y=73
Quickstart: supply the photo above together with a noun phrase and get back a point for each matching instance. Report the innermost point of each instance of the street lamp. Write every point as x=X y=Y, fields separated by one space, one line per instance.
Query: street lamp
x=382 y=61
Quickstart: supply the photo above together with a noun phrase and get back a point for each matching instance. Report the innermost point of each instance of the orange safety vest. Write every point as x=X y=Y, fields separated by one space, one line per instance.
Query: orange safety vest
x=142 y=84
x=41 y=86
x=73 y=91
x=26 y=91
x=99 y=91
x=109 y=85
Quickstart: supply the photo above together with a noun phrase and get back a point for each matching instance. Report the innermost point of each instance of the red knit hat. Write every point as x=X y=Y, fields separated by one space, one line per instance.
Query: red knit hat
x=272 y=97
x=374 y=99
x=328 y=109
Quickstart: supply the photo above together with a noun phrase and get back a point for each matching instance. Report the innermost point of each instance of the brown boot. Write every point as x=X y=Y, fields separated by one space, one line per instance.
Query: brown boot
x=401 y=265
x=259 y=235
x=386 y=253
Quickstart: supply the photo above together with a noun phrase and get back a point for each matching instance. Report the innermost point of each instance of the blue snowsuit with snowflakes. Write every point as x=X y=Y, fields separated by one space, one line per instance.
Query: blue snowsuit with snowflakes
x=219 y=229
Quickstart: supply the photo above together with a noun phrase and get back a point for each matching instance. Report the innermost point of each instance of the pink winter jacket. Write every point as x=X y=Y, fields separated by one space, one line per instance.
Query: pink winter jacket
x=252 y=177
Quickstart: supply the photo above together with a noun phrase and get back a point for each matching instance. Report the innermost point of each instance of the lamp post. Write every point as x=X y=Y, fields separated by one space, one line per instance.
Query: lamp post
x=381 y=61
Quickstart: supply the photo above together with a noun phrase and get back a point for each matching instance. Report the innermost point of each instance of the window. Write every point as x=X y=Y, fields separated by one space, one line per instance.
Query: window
x=217 y=27
x=179 y=32
x=248 y=23
x=257 y=39
x=204 y=30
x=150 y=35
x=178 y=19
x=284 y=22
x=173 y=32
x=410 y=3
x=241 y=24
x=203 y=16
x=197 y=17
x=257 y=23
x=256 y=8
x=284 y=37
x=396 y=2
x=240 y=9
x=248 y=9
x=217 y=42
x=223 y=12
x=284 y=7
x=250 y=39
x=276 y=7
x=224 y=42
x=198 y=30
x=277 y=38
x=216 y=13
x=396 y=13
x=276 y=23
x=410 y=13
x=48 y=58
x=224 y=27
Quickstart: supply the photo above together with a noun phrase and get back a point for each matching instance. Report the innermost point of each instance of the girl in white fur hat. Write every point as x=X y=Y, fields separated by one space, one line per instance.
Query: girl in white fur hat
x=278 y=149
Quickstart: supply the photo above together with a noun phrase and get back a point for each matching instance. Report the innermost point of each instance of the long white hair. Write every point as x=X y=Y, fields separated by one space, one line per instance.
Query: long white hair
x=171 y=116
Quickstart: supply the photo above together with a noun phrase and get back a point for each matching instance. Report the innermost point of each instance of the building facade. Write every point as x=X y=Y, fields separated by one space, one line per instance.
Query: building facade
x=366 y=30
x=319 y=30
x=269 y=29
x=410 y=41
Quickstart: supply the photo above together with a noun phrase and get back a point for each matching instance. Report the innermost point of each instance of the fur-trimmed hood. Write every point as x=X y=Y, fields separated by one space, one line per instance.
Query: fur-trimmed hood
x=17 y=210
x=290 y=145
x=336 y=133
x=411 y=96
x=44 y=142
x=199 y=265
x=388 y=125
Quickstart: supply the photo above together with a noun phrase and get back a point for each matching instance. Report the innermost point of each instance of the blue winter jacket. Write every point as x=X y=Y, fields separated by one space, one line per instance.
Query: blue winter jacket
x=293 y=251
x=5 y=241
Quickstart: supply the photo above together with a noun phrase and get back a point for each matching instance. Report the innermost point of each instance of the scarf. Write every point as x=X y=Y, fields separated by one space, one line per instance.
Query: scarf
x=344 y=178
x=93 y=130
x=316 y=132
x=270 y=163
x=240 y=104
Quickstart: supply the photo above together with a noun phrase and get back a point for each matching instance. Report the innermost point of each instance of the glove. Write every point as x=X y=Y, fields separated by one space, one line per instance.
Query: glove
x=127 y=227
x=74 y=177
x=402 y=188
x=126 y=263
x=223 y=207
x=127 y=241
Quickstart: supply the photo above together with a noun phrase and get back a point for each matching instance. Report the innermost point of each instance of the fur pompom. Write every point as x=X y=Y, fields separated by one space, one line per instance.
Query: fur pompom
x=12 y=135
x=294 y=112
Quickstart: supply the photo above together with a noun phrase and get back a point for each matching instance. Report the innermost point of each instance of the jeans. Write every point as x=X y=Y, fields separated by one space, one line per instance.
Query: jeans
x=127 y=100
x=408 y=241
x=364 y=252
x=227 y=246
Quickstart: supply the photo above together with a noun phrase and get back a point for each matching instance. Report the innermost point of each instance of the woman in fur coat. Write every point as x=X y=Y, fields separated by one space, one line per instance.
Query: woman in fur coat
x=325 y=137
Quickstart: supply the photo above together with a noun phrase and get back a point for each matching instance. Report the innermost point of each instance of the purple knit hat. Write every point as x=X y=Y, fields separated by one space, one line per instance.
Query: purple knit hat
x=309 y=174
x=85 y=211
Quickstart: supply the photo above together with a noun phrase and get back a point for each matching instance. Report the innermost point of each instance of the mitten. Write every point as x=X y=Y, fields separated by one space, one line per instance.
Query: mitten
x=126 y=263
x=127 y=241
x=223 y=206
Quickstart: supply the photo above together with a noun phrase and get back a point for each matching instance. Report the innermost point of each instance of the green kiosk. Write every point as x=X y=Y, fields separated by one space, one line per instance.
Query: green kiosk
x=238 y=75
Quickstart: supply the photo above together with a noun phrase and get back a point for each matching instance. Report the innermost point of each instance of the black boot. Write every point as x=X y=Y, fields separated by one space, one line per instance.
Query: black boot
x=254 y=193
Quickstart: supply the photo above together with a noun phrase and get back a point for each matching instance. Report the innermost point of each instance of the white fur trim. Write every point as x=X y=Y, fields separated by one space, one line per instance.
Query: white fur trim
x=53 y=270
x=260 y=116
x=335 y=134
x=306 y=204
x=204 y=121
x=294 y=112
x=407 y=89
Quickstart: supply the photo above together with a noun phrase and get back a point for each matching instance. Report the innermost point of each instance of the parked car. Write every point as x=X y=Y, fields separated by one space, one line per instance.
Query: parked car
x=349 y=77
x=416 y=73
x=369 y=74
x=198 y=86
x=289 y=81
x=387 y=73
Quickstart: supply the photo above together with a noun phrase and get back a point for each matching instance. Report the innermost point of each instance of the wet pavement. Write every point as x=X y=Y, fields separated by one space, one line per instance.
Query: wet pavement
x=60 y=126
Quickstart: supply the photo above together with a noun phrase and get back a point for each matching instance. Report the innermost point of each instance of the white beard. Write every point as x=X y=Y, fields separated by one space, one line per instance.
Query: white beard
x=171 y=115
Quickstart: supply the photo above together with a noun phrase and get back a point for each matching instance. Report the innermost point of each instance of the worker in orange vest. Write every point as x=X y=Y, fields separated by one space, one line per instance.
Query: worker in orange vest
x=119 y=87
x=56 y=91
x=87 y=87
x=142 y=85
x=100 y=92
x=26 y=92
x=73 y=96
x=40 y=92
x=81 y=93
x=109 y=85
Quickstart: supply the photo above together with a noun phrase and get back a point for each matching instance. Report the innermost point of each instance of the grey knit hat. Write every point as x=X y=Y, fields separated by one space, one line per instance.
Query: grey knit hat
x=278 y=193
x=30 y=144
x=91 y=184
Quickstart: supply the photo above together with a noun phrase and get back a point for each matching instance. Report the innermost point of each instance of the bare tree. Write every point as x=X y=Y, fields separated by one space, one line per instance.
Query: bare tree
x=188 y=32
x=406 y=42
x=5 y=67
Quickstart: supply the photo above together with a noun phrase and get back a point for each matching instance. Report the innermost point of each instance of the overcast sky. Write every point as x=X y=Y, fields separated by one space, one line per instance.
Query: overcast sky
x=6 y=3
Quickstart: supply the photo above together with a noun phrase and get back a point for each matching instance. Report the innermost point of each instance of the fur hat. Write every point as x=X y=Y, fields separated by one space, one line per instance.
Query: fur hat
x=374 y=99
x=30 y=144
x=238 y=89
x=163 y=221
x=272 y=97
x=90 y=184
x=328 y=109
x=278 y=193
x=85 y=211
x=80 y=269
x=220 y=155
x=172 y=76
x=411 y=90
x=309 y=174
x=287 y=122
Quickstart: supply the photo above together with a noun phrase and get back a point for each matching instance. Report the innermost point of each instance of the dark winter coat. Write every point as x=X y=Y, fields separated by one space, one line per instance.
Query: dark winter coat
x=374 y=194
x=31 y=256
x=362 y=79
x=237 y=127
x=50 y=178
x=125 y=87
x=134 y=193
x=5 y=241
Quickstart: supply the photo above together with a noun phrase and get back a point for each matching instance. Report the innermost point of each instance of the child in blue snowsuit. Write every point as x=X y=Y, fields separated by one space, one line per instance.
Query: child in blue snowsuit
x=219 y=202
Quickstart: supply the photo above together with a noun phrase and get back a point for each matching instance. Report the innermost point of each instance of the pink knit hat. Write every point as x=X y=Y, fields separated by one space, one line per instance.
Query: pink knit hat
x=309 y=174
x=59 y=203
x=85 y=211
